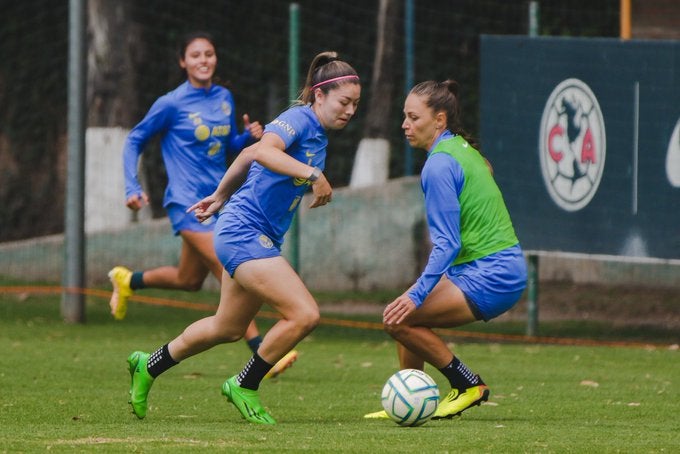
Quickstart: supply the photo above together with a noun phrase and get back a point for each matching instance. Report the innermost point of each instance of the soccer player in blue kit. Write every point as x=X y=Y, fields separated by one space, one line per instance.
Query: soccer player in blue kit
x=476 y=269
x=262 y=190
x=197 y=124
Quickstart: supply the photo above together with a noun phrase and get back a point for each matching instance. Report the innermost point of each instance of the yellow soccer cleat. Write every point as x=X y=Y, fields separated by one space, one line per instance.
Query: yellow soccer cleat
x=456 y=402
x=382 y=414
x=283 y=364
x=120 y=279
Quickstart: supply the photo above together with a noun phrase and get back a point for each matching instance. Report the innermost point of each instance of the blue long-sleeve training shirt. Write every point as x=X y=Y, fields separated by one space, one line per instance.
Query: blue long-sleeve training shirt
x=198 y=128
x=466 y=215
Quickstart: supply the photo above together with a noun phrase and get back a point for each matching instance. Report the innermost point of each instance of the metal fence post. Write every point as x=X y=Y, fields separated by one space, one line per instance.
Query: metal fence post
x=532 y=296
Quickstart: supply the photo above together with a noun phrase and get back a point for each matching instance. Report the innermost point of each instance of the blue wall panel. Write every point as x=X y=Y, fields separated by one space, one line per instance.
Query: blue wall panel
x=610 y=178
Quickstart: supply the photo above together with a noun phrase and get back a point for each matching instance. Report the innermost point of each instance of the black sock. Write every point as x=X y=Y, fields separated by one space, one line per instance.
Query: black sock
x=460 y=377
x=251 y=375
x=254 y=343
x=160 y=361
x=137 y=280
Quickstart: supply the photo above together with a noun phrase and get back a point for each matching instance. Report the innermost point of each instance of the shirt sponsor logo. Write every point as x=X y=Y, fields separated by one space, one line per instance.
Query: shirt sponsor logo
x=572 y=145
x=214 y=148
x=295 y=203
x=287 y=128
x=301 y=181
x=221 y=130
x=202 y=132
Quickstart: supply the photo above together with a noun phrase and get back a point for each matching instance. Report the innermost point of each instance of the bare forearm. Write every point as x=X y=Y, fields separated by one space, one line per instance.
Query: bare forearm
x=280 y=162
x=235 y=174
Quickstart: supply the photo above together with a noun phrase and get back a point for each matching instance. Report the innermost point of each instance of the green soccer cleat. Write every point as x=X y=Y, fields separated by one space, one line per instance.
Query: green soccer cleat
x=246 y=401
x=120 y=279
x=382 y=414
x=282 y=364
x=456 y=402
x=140 y=383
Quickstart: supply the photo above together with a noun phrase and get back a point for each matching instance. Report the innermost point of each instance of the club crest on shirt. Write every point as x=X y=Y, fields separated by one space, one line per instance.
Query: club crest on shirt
x=266 y=242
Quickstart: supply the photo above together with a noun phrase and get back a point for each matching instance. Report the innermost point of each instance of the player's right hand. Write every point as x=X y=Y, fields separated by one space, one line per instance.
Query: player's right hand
x=206 y=207
x=137 y=201
x=398 y=310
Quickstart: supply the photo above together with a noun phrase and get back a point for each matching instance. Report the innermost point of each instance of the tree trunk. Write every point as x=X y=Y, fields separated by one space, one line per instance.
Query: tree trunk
x=114 y=42
x=377 y=123
x=114 y=49
x=371 y=165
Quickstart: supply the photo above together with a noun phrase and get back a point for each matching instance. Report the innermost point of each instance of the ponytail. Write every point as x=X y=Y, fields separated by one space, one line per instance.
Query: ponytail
x=326 y=72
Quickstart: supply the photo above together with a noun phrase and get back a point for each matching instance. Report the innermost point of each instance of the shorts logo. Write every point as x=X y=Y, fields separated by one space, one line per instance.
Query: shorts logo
x=572 y=145
x=266 y=242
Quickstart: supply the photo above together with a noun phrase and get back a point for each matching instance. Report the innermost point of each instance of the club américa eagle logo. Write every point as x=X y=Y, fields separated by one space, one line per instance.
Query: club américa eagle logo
x=572 y=145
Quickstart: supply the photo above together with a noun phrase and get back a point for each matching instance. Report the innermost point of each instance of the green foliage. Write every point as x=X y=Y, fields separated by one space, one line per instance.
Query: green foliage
x=65 y=389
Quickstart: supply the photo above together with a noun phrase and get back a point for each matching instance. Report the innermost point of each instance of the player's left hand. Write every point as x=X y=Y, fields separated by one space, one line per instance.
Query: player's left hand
x=398 y=310
x=255 y=128
x=323 y=192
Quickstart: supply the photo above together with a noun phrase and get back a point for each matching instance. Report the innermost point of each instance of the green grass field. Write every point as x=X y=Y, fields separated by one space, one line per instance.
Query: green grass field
x=64 y=389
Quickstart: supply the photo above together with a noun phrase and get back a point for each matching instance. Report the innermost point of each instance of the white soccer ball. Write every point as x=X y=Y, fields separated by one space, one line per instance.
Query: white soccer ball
x=410 y=397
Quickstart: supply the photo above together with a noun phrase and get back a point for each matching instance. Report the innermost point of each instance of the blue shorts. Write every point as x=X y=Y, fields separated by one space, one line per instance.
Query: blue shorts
x=237 y=242
x=181 y=220
x=492 y=284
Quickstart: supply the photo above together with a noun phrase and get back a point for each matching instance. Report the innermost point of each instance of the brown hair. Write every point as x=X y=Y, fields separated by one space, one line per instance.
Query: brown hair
x=190 y=37
x=324 y=67
x=443 y=97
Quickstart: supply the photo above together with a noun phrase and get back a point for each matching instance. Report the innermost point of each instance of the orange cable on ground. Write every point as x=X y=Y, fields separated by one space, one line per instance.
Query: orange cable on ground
x=338 y=322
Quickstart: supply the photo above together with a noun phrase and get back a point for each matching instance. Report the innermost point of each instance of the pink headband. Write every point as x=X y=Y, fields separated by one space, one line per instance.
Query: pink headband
x=335 y=79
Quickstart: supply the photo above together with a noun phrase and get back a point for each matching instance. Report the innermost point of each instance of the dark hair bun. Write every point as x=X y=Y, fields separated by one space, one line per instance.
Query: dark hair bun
x=452 y=86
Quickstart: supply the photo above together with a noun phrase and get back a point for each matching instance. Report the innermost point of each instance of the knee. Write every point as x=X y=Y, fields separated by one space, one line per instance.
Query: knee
x=308 y=320
x=395 y=331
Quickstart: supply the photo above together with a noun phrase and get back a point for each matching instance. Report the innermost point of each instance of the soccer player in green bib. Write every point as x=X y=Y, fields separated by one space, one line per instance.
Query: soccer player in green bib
x=476 y=269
